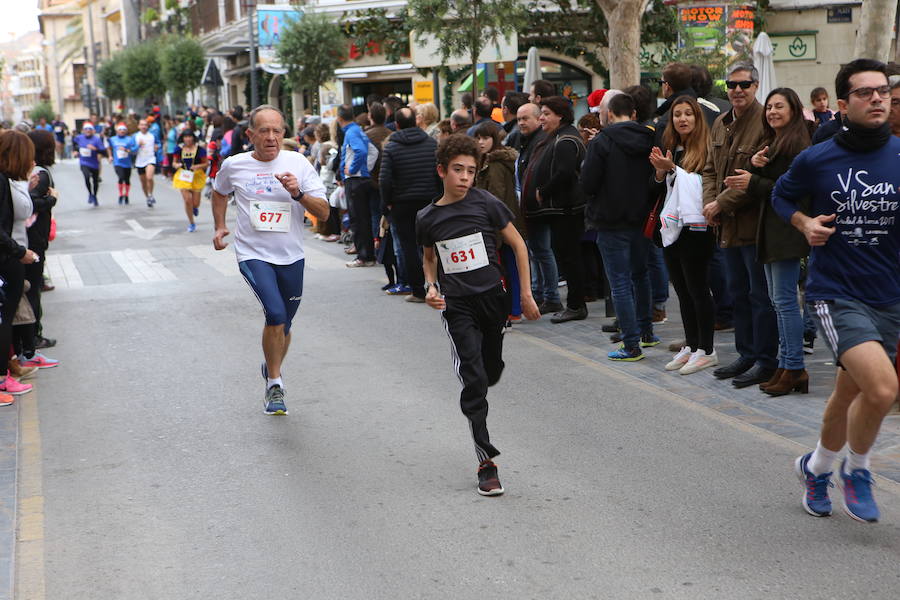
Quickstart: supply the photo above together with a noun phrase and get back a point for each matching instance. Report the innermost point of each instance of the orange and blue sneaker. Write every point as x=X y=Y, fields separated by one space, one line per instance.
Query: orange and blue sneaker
x=40 y=361
x=858 y=501
x=815 y=498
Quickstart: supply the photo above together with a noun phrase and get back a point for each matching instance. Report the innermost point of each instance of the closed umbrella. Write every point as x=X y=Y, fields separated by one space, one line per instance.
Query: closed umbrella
x=532 y=69
x=763 y=53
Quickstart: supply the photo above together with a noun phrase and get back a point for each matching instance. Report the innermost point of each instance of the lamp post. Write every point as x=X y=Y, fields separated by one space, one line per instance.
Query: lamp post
x=254 y=91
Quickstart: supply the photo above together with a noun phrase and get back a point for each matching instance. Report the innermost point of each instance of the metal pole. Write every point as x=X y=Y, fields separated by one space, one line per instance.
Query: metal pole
x=254 y=92
x=436 y=78
x=92 y=63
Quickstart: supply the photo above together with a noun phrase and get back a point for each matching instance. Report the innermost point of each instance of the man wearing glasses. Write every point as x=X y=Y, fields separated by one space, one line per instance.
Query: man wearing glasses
x=854 y=279
x=736 y=136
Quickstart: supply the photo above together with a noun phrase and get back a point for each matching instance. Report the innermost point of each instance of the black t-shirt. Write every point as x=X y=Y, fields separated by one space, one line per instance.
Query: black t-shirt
x=464 y=236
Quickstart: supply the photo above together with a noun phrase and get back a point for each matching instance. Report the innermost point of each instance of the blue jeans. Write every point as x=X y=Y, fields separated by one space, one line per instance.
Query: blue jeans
x=755 y=326
x=659 y=277
x=545 y=283
x=718 y=285
x=782 y=277
x=625 y=256
x=398 y=256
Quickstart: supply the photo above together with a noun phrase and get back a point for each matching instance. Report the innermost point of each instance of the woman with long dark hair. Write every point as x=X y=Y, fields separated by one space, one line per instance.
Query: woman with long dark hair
x=686 y=140
x=780 y=247
x=16 y=161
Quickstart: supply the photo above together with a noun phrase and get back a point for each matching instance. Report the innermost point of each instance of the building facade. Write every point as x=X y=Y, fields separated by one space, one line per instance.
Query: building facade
x=23 y=84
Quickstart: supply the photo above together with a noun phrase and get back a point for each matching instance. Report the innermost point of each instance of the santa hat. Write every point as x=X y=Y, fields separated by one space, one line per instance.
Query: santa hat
x=595 y=98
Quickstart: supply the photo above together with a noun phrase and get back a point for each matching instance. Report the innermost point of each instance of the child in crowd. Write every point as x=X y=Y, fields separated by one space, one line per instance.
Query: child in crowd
x=819 y=99
x=464 y=280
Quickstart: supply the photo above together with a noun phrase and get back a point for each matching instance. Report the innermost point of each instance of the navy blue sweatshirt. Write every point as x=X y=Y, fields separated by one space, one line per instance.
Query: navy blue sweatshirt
x=861 y=260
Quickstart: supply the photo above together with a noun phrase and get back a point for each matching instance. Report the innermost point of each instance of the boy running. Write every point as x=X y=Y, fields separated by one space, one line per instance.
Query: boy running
x=464 y=280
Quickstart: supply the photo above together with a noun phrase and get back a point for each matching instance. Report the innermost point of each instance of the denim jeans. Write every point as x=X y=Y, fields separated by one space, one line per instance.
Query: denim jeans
x=398 y=256
x=546 y=287
x=755 y=326
x=659 y=277
x=718 y=285
x=625 y=255
x=782 y=277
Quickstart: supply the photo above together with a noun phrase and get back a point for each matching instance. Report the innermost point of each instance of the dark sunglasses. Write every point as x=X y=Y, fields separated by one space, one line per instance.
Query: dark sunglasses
x=744 y=85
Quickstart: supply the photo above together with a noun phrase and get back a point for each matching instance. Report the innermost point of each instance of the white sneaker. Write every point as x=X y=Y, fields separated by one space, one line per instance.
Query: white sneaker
x=699 y=360
x=680 y=359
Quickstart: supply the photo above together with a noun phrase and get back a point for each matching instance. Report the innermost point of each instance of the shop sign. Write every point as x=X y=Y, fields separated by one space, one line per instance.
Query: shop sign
x=423 y=91
x=793 y=46
x=709 y=26
x=427 y=53
x=840 y=14
x=271 y=20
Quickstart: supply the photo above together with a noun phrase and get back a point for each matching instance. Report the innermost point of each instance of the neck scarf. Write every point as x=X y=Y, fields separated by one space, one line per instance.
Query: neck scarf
x=857 y=138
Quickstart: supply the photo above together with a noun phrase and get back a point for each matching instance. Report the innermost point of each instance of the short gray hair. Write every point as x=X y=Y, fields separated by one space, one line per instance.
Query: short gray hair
x=261 y=108
x=743 y=66
x=894 y=82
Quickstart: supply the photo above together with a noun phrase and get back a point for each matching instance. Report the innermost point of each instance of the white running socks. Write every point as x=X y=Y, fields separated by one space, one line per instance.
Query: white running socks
x=857 y=461
x=821 y=460
x=270 y=382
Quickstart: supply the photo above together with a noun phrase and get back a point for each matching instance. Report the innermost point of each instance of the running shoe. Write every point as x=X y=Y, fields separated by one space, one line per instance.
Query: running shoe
x=196 y=212
x=192 y=228
x=6 y=399
x=400 y=290
x=680 y=359
x=121 y=200
x=40 y=361
x=488 y=480
x=332 y=238
x=264 y=369
x=626 y=355
x=858 y=500
x=360 y=263
x=699 y=360
x=388 y=286
x=274 y=404
x=126 y=199
x=815 y=497
x=514 y=318
x=14 y=388
x=648 y=340
x=149 y=201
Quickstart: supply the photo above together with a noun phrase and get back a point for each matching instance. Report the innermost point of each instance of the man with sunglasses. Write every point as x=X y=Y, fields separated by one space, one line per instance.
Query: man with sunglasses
x=854 y=279
x=735 y=137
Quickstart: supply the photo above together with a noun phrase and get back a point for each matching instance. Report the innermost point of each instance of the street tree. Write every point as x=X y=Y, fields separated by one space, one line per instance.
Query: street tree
x=141 y=71
x=624 y=35
x=110 y=76
x=41 y=109
x=873 y=38
x=463 y=28
x=311 y=48
x=182 y=60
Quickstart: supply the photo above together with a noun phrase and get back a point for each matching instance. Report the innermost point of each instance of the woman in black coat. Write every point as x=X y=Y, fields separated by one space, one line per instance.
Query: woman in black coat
x=551 y=191
x=43 y=197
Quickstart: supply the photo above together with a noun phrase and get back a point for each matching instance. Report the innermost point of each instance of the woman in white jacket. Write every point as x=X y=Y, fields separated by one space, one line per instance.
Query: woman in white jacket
x=688 y=242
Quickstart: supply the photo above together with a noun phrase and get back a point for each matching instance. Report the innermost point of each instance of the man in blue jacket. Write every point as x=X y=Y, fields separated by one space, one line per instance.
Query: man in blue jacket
x=854 y=279
x=354 y=171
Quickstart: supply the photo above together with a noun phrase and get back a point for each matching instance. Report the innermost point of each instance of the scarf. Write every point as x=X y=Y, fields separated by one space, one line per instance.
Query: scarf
x=857 y=138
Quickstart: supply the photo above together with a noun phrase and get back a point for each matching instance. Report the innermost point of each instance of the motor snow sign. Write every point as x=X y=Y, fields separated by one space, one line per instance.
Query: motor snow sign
x=794 y=46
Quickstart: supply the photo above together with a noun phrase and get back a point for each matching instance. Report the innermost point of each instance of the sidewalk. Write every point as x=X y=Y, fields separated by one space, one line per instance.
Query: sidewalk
x=796 y=417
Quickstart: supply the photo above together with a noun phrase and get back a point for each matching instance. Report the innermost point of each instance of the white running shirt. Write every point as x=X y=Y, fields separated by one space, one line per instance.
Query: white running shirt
x=254 y=180
x=146 y=154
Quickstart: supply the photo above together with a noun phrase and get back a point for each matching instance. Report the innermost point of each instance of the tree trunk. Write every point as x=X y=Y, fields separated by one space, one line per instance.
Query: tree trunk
x=624 y=34
x=873 y=38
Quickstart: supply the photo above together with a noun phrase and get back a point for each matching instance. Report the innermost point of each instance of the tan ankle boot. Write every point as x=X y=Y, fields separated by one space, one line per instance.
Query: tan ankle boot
x=792 y=380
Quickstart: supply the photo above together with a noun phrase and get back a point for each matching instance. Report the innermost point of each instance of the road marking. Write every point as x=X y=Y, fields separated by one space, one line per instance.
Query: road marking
x=138 y=230
x=62 y=271
x=29 y=582
x=141 y=267
x=222 y=261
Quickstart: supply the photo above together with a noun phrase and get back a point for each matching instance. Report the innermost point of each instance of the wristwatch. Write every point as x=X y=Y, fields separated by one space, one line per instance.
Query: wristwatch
x=300 y=197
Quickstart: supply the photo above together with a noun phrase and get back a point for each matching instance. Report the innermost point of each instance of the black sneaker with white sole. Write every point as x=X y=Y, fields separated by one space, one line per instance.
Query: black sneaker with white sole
x=488 y=480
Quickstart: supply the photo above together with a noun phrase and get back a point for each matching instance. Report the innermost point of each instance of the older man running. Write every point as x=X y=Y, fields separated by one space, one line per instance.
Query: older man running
x=272 y=189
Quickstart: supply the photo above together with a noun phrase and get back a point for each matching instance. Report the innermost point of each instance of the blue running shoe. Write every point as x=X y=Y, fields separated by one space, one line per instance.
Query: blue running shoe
x=196 y=212
x=192 y=228
x=275 y=401
x=858 y=500
x=649 y=340
x=626 y=355
x=400 y=290
x=264 y=368
x=815 y=500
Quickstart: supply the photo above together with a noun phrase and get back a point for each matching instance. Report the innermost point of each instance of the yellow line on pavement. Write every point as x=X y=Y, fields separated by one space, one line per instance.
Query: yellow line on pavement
x=625 y=378
x=30 y=519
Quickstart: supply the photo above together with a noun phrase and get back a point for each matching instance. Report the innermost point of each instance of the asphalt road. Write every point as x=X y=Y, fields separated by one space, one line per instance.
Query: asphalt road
x=160 y=477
